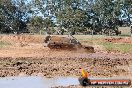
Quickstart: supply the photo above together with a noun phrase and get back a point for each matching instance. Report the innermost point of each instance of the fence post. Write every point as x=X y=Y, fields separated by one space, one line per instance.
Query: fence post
x=40 y=32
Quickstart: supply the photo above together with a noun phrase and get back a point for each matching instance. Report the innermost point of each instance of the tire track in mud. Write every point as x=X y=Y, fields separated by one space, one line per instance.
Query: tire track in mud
x=51 y=67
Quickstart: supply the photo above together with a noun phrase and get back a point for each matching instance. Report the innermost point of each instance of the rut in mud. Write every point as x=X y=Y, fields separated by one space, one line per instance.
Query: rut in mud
x=51 y=67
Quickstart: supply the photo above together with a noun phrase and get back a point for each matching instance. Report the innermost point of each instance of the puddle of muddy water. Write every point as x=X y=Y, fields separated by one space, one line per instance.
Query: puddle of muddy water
x=37 y=82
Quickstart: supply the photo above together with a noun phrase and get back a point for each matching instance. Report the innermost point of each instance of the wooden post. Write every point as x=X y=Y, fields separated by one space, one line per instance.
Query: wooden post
x=40 y=32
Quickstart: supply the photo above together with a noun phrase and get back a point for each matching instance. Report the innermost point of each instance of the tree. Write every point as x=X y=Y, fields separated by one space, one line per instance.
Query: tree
x=6 y=15
x=14 y=15
x=73 y=15
x=107 y=12
x=35 y=24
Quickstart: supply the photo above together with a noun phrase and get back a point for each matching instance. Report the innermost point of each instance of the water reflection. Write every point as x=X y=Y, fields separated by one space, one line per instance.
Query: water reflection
x=36 y=82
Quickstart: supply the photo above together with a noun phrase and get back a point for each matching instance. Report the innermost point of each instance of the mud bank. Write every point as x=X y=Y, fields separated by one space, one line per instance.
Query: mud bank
x=50 y=67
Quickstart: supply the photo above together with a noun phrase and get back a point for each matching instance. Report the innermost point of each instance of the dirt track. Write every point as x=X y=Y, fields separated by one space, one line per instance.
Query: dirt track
x=64 y=66
x=28 y=56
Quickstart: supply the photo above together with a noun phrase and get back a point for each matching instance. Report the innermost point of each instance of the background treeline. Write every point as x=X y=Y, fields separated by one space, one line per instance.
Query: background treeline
x=65 y=16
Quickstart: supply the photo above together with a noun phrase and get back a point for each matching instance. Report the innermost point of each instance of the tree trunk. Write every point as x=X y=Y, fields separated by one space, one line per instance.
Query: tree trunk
x=129 y=19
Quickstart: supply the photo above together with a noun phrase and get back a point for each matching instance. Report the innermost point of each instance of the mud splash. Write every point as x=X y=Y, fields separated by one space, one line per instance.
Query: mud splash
x=37 y=82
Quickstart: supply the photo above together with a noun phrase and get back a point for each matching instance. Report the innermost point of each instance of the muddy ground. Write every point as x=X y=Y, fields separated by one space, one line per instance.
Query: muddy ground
x=26 y=56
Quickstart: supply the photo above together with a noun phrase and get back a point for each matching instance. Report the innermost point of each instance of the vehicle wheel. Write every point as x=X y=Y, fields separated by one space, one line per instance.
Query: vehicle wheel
x=84 y=81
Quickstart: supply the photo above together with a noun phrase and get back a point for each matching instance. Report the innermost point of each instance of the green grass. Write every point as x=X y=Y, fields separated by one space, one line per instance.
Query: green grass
x=125 y=31
x=108 y=46
x=123 y=48
x=4 y=43
x=125 y=35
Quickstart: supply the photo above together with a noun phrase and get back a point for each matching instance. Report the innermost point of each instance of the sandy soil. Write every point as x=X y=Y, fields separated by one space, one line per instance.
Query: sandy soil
x=27 y=56
x=127 y=40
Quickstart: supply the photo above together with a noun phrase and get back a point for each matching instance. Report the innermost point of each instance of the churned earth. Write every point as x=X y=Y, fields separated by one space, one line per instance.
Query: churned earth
x=25 y=55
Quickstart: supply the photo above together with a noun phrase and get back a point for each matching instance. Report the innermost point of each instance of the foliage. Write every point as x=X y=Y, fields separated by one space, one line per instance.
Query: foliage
x=73 y=16
x=13 y=16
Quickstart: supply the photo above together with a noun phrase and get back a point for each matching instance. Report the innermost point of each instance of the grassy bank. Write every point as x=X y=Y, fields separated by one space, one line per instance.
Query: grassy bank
x=108 y=46
x=4 y=44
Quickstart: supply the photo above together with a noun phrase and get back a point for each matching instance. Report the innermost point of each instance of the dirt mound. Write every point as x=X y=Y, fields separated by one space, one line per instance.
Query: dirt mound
x=119 y=40
x=22 y=38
